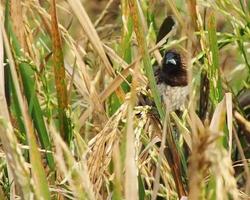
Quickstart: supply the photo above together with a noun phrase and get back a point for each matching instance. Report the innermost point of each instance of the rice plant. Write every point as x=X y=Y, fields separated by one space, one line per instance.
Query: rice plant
x=82 y=115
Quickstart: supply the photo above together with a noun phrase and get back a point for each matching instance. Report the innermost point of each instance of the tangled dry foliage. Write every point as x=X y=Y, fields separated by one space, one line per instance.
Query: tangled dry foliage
x=72 y=73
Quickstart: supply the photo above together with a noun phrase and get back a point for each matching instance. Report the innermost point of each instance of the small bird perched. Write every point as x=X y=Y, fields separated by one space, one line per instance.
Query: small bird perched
x=171 y=79
x=171 y=76
x=172 y=82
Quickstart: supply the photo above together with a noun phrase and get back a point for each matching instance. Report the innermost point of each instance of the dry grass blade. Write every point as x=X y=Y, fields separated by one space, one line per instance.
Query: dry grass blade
x=219 y=116
x=159 y=162
x=244 y=121
x=229 y=108
x=104 y=12
x=131 y=183
x=241 y=151
x=60 y=79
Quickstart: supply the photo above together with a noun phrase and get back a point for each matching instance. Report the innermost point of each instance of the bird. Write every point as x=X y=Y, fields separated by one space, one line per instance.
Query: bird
x=172 y=82
x=171 y=79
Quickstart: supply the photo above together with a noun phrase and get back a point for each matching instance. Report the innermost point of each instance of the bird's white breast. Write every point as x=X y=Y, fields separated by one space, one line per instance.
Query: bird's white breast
x=173 y=97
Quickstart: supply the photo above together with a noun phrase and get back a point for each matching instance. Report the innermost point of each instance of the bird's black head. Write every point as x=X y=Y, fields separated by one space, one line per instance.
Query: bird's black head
x=172 y=72
x=171 y=61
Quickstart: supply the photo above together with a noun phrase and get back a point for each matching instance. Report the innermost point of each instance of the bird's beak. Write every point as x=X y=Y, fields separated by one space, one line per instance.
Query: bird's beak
x=171 y=61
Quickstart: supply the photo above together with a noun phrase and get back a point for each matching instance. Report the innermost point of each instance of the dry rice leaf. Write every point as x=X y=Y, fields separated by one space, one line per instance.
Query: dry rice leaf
x=131 y=183
x=229 y=107
x=218 y=119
